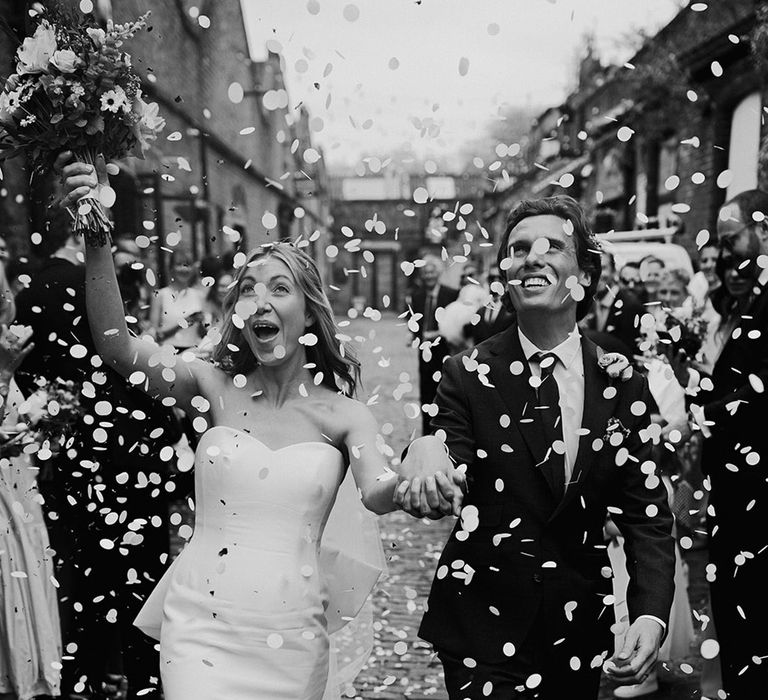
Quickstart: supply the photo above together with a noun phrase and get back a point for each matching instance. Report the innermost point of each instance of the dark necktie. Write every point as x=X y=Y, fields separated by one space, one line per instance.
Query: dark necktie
x=429 y=312
x=548 y=408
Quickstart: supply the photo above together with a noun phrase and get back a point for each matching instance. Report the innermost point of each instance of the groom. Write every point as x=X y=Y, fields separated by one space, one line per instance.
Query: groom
x=521 y=605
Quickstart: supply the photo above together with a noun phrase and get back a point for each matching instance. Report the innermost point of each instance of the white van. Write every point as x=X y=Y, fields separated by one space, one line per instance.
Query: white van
x=633 y=246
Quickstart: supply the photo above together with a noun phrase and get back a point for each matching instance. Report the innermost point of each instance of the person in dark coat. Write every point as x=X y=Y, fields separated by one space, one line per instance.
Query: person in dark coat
x=495 y=316
x=616 y=311
x=106 y=490
x=731 y=411
x=430 y=296
x=521 y=603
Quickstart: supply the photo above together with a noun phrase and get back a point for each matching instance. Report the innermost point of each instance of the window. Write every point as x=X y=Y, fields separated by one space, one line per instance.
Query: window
x=744 y=146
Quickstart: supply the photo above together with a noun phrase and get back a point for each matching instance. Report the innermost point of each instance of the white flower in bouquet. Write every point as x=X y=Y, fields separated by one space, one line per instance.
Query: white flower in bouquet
x=67 y=61
x=33 y=408
x=114 y=100
x=148 y=125
x=36 y=51
x=9 y=105
x=97 y=35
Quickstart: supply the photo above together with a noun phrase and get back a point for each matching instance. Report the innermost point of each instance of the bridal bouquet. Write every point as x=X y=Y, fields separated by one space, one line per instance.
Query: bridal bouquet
x=664 y=336
x=682 y=328
x=74 y=89
x=49 y=414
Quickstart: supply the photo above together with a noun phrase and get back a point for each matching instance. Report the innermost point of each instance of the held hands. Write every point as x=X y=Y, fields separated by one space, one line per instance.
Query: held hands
x=678 y=432
x=428 y=483
x=635 y=660
x=79 y=179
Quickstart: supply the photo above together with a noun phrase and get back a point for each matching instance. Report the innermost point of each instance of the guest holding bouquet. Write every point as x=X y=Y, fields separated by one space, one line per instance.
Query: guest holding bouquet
x=30 y=646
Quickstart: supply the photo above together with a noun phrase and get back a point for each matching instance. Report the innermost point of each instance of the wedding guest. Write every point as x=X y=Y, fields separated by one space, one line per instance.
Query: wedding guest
x=615 y=312
x=668 y=390
x=650 y=272
x=109 y=483
x=494 y=317
x=176 y=313
x=629 y=279
x=672 y=288
x=213 y=307
x=550 y=445
x=213 y=315
x=708 y=256
x=131 y=277
x=469 y=275
x=730 y=411
x=30 y=639
x=430 y=296
x=209 y=271
x=456 y=316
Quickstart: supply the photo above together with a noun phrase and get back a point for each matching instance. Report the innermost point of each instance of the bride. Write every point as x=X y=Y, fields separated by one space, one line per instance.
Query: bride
x=245 y=606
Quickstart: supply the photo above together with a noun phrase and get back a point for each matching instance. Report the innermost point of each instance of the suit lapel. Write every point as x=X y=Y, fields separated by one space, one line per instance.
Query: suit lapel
x=597 y=410
x=515 y=389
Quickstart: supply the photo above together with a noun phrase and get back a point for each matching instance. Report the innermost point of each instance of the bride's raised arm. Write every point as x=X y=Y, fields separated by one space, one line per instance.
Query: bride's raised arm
x=142 y=361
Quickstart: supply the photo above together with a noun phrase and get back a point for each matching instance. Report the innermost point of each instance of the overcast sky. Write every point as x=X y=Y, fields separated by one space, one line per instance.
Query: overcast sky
x=374 y=71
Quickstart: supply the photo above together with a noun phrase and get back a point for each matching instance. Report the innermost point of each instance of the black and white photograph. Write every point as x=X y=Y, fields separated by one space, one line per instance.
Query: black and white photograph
x=383 y=349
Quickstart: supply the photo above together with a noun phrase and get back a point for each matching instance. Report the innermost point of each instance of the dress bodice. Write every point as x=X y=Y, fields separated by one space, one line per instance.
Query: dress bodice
x=245 y=610
x=259 y=517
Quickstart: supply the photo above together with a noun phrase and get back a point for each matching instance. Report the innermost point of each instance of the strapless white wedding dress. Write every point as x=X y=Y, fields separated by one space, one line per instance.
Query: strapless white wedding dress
x=245 y=607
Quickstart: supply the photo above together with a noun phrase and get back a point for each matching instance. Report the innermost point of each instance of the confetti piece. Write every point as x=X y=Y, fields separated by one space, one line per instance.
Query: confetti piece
x=351 y=13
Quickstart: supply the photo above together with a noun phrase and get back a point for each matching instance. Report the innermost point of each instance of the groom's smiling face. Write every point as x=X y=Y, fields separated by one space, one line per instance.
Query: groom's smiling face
x=543 y=266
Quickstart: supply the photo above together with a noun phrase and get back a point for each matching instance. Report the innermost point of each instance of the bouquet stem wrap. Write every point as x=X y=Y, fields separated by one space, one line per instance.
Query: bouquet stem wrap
x=90 y=219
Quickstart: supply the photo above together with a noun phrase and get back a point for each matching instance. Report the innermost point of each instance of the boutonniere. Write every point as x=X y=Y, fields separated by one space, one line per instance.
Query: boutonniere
x=615 y=432
x=615 y=365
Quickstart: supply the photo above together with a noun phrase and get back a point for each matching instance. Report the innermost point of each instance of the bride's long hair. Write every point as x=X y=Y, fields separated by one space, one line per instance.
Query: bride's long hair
x=330 y=356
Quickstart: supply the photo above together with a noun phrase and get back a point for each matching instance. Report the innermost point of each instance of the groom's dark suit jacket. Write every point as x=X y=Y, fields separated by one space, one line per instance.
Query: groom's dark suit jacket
x=529 y=552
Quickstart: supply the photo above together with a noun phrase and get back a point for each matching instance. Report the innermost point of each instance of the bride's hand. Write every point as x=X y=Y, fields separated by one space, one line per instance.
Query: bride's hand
x=79 y=179
x=428 y=483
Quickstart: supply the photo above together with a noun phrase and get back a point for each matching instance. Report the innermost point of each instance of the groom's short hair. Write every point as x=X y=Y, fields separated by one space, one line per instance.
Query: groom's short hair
x=587 y=247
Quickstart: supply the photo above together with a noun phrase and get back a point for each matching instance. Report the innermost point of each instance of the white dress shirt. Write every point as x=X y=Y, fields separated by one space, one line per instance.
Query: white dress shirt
x=569 y=375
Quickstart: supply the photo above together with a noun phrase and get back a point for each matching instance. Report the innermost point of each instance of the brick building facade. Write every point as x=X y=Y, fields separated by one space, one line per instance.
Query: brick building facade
x=645 y=144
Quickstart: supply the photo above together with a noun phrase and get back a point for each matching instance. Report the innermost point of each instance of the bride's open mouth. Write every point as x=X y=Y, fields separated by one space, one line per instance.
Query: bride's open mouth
x=265 y=331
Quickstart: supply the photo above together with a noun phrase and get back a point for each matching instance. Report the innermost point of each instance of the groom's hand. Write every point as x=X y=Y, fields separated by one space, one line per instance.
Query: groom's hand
x=428 y=483
x=635 y=660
